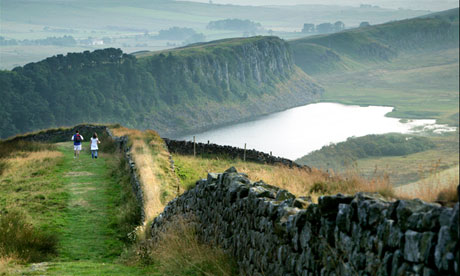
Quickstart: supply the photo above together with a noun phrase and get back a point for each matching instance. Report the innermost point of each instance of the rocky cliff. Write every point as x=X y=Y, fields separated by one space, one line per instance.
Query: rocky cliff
x=225 y=81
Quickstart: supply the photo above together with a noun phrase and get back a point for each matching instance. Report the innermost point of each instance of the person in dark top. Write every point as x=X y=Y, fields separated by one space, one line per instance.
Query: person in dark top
x=77 y=138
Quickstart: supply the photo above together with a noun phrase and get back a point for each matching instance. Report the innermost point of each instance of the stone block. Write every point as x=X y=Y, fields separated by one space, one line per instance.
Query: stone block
x=417 y=246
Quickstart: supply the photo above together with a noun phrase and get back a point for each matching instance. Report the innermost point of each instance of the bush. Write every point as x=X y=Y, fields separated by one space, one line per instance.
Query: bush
x=448 y=195
x=21 y=239
x=319 y=188
x=3 y=166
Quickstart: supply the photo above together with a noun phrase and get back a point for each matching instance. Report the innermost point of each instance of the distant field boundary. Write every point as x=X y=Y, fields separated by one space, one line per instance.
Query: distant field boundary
x=190 y=148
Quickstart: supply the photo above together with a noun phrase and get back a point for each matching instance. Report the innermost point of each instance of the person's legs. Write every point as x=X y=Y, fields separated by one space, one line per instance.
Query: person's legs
x=78 y=151
x=95 y=154
x=74 y=151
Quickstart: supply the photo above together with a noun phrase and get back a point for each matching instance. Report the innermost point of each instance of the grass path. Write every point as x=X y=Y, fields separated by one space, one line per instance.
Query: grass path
x=88 y=241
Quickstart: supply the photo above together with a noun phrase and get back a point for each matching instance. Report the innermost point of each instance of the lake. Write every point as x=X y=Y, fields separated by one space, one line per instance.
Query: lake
x=298 y=131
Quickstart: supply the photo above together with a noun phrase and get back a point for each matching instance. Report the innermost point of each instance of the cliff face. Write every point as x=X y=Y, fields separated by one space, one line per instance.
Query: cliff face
x=174 y=91
x=259 y=60
x=226 y=81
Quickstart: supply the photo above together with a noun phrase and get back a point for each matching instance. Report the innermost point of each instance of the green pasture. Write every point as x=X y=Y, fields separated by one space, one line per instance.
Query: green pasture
x=420 y=86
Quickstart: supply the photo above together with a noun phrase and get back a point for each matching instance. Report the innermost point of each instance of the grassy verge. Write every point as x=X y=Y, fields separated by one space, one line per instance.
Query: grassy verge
x=159 y=184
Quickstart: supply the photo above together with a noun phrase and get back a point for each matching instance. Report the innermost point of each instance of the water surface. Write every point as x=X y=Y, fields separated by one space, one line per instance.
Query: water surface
x=295 y=132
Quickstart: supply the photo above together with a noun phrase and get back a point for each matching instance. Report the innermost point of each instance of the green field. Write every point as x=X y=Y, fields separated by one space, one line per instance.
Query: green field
x=81 y=201
x=422 y=86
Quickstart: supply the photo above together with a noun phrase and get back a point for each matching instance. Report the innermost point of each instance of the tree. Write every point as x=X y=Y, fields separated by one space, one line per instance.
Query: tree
x=339 y=26
x=364 y=24
x=325 y=28
x=308 y=28
x=235 y=25
x=176 y=33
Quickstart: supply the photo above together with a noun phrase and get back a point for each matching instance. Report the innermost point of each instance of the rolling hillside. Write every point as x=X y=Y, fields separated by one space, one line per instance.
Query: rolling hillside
x=132 y=25
x=172 y=91
x=353 y=49
x=412 y=65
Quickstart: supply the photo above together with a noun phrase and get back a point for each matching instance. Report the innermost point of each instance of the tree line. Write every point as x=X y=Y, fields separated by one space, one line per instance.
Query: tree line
x=343 y=154
x=109 y=86
x=66 y=40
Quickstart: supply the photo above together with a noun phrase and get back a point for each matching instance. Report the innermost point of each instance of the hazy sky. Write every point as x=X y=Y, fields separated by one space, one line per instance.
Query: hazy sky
x=433 y=5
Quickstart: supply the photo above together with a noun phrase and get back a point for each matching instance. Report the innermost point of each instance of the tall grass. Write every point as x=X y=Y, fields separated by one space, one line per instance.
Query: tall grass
x=20 y=240
x=24 y=183
x=438 y=186
x=178 y=251
x=10 y=147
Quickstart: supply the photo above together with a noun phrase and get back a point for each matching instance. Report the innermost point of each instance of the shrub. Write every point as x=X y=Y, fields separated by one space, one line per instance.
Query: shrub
x=21 y=239
x=3 y=166
x=448 y=195
x=319 y=188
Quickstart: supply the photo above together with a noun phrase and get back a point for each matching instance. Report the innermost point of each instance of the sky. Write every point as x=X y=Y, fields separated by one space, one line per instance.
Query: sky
x=433 y=5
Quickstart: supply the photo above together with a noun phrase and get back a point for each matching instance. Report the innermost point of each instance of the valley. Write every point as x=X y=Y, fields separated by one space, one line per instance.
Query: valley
x=364 y=110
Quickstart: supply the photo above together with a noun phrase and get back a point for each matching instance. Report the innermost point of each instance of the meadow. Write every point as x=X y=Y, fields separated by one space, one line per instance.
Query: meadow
x=66 y=216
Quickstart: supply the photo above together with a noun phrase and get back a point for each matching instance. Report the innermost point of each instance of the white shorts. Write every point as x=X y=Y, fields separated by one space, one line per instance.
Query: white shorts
x=76 y=147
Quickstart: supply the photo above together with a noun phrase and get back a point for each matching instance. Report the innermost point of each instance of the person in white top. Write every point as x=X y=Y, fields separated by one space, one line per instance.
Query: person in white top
x=94 y=147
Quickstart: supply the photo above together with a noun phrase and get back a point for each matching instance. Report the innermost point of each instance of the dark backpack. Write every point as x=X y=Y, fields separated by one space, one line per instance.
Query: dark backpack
x=77 y=138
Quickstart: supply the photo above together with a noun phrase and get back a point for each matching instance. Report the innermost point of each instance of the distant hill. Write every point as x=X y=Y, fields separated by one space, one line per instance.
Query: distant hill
x=172 y=91
x=355 y=48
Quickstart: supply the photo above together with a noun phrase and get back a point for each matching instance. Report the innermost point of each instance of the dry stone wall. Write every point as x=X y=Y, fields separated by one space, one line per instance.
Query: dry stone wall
x=186 y=147
x=63 y=134
x=271 y=232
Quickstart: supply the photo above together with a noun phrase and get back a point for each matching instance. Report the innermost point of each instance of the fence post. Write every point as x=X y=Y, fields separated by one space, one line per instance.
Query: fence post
x=194 y=147
x=244 y=155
